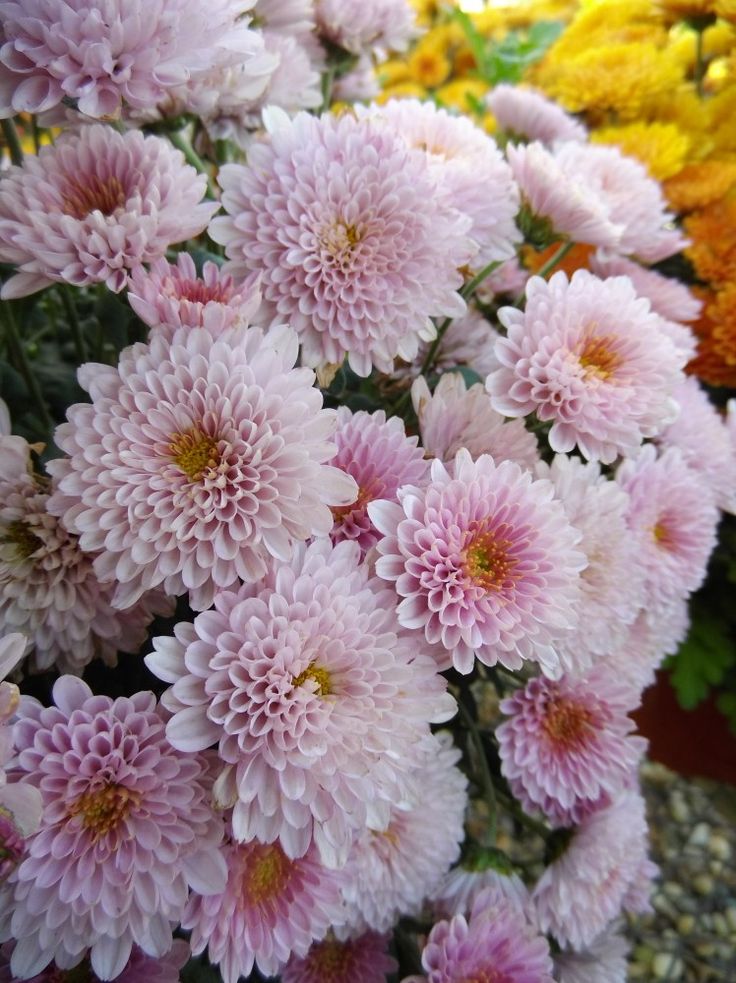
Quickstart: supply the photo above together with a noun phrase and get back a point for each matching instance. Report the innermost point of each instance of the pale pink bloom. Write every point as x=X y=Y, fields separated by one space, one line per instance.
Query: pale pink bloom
x=555 y=195
x=454 y=417
x=169 y=296
x=673 y=516
x=671 y=299
x=360 y=84
x=467 y=168
x=296 y=83
x=140 y=968
x=390 y=872
x=494 y=942
x=485 y=562
x=14 y=460
x=376 y=27
x=316 y=702
x=604 y=961
x=633 y=198
x=358 y=960
x=102 y=53
x=653 y=636
x=289 y=18
x=588 y=355
x=567 y=745
x=528 y=114
x=49 y=589
x=583 y=890
x=197 y=460
x=612 y=584
x=701 y=435
x=95 y=205
x=271 y=907
x=468 y=342
x=127 y=829
x=730 y=421
x=487 y=870
x=377 y=453
x=355 y=249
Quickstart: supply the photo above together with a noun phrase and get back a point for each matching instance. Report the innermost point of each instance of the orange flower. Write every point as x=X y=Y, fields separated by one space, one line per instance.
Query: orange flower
x=699 y=185
x=715 y=362
x=713 y=231
x=576 y=259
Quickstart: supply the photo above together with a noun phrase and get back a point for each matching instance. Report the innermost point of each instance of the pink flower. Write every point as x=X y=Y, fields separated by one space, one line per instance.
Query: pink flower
x=604 y=961
x=568 y=745
x=589 y=355
x=100 y=55
x=670 y=298
x=95 y=205
x=457 y=152
x=389 y=873
x=495 y=941
x=316 y=702
x=380 y=27
x=169 y=297
x=359 y=960
x=49 y=589
x=140 y=968
x=485 y=562
x=380 y=457
x=654 y=635
x=674 y=518
x=530 y=115
x=484 y=870
x=272 y=907
x=355 y=248
x=582 y=891
x=126 y=831
x=454 y=417
x=196 y=461
x=701 y=436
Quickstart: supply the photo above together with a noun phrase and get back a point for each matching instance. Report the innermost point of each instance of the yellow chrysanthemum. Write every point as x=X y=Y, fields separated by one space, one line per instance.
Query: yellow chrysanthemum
x=428 y=65
x=402 y=90
x=609 y=22
x=722 y=120
x=427 y=10
x=687 y=9
x=661 y=147
x=461 y=93
x=718 y=41
x=726 y=9
x=685 y=109
x=392 y=72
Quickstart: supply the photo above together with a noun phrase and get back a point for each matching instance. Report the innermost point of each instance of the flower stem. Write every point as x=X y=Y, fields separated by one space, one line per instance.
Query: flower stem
x=192 y=157
x=486 y=779
x=13 y=141
x=515 y=809
x=699 y=70
x=15 y=345
x=545 y=268
x=80 y=345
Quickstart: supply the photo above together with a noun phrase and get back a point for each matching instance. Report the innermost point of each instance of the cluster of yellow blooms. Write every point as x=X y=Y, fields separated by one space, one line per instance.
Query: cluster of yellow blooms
x=655 y=77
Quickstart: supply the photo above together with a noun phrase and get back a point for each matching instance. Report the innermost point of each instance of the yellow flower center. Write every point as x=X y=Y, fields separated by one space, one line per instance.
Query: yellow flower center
x=194 y=452
x=25 y=541
x=104 y=808
x=94 y=195
x=488 y=563
x=663 y=535
x=267 y=873
x=567 y=723
x=319 y=675
x=339 y=240
x=599 y=358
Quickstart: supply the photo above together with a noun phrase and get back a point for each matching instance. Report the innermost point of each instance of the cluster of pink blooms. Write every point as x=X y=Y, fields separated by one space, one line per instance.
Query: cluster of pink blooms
x=340 y=572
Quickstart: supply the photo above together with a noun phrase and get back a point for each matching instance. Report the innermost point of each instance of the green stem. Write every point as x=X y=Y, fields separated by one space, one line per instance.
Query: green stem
x=13 y=141
x=80 y=346
x=15 y=345
x=545 y=268
x=486 y=779
x=515 y=809
x=192 y=157
x=699 y=71
x=328 y=83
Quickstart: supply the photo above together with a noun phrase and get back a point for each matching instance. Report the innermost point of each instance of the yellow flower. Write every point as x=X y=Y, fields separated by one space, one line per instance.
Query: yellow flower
x=722 y=120
x=460 y=94
x=687 y=9
x=727 y=10
x=393 y=71
x=402 y=90
x=426 y=10
x=700 y=184
x=661 y=147
x=428 y=65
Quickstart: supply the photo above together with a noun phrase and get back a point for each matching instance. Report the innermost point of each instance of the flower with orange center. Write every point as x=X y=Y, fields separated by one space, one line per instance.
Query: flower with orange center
x=489 y=560
x=103 y=809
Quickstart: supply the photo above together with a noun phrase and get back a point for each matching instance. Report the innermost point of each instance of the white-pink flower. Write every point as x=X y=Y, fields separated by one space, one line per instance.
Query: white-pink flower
x=196 y=460
x=530 y=115
x=95 y=205
x=355 y=248
x=485 y=562
x=378 y=27
x=589 y=356
x=603 y=961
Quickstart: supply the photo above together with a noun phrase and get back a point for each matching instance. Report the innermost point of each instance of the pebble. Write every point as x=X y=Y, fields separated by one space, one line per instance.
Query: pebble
x=679 y=809
x=703 y=884
x=700 y=835
x=731 y=917
x=719 y=847
x=667 y=966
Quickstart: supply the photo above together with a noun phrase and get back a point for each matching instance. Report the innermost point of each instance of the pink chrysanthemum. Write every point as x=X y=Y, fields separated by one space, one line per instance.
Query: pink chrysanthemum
x=556 y=198
x=359 y=960
x=380 y=27
x=272 y=907
x=360 y=84
x=454 y=417
x=612 y=583
x=49 y=589
x=126 y=831
x=468 y=341
x=701 y=436
x=483 y=870
x=103 y=54
x=589 y=355
x=380 y=457
x=604 y=961
x=673 y=516
x=139 y=969
x=485 y=562
x=196 y=461
x=671 y=299
x=356 y=250
x=653 y=636
x=389 y=873
x=289 y=18
x=634 y=200
x=568 y=745
x=530 y=115
x=305 y=684
x=168 y=297
x=457 y=152
x=95 y=205
x=494 y=943
x=582 y=891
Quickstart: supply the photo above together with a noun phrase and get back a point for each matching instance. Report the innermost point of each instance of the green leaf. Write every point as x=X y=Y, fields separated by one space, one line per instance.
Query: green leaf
x=470 y=376
x=726 y=703
x=701 y=662
x=197 y=972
